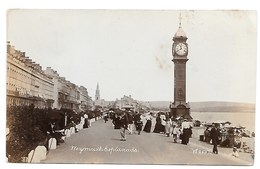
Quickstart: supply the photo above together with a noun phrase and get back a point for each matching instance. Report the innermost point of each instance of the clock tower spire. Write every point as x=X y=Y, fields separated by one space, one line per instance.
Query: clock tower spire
x=179 y=108
x=180 y=20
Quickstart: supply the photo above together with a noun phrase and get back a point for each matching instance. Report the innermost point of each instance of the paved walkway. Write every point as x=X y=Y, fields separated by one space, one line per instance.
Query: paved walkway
x=101 y=144
x=203 y=147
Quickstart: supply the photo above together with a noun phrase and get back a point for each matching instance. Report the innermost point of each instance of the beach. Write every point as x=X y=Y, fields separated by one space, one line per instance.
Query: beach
x=236 y=118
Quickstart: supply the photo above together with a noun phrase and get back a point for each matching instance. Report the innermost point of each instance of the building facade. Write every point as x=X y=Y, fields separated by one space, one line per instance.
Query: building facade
x=127 y=102
x=26 y=81
x=86 y=102
x=67 y=94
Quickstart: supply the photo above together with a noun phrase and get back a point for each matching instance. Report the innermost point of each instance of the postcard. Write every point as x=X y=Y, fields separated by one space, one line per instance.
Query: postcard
x=131 y=86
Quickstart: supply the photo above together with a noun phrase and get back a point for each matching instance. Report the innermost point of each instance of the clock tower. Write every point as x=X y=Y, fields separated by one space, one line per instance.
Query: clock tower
x=179 y=108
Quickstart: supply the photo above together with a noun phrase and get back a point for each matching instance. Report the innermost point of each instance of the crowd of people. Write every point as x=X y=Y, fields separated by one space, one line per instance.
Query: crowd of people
x=125 y=121
x=179 y=129
x=225 y=136
x=128 y=121
x=57 y=126
x=131 y=122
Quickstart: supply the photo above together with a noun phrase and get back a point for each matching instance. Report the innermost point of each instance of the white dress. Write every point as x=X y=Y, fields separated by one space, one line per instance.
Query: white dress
x=168 y=125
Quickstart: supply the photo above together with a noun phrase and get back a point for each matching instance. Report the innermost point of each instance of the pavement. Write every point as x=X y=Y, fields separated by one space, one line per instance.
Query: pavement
x=224 y=152
x=100 y=144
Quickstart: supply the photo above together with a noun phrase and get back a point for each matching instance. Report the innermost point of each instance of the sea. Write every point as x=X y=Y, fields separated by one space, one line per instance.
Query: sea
x=246 y=119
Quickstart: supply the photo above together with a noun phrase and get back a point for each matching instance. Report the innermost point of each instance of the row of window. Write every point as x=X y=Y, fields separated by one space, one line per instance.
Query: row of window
x=23 y=90
x=21 y=75
x=18 y=102
x=15 y=83
x=18 y=74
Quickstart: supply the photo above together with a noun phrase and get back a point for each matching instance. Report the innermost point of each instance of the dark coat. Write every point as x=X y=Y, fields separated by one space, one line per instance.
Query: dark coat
x=124 y=121
x=116 y=122
x=137 y=118
x=158 y=125
x=51 y=128
x=138 y=122
x=214 y=134
x=130 y=118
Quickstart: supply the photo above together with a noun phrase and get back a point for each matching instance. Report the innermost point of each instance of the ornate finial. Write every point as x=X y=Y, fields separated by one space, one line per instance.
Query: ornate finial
x=180 y=20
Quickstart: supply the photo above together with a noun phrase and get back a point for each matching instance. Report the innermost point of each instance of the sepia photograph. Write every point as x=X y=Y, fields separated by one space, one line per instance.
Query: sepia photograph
x=110 y=86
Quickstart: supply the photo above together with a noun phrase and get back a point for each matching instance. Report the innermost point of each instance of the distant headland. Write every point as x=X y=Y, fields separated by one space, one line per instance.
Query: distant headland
x=210 y=106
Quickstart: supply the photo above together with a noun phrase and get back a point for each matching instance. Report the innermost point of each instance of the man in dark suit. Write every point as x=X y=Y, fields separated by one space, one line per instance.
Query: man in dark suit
x=214 y=135
x=130 y=121
x=123 y=126
x=52 y=131
x=138 y=122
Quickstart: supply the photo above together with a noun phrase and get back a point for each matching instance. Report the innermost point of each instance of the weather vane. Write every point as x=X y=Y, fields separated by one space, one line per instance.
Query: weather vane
x=180 y=20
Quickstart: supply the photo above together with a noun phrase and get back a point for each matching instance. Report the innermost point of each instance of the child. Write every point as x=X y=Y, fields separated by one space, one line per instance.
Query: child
x=235 y=152
x=139 y=125
x=175 y=133
x=168 y=124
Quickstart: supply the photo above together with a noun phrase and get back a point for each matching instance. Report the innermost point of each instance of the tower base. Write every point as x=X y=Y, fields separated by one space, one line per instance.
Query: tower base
x=180 y=109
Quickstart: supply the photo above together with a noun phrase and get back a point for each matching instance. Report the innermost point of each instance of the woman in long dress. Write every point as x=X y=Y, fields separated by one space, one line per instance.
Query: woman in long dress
x=163 y=123
x=86 y=120
x=185 y=132
x=157 y=124
x=168 y=125
x=148 y=125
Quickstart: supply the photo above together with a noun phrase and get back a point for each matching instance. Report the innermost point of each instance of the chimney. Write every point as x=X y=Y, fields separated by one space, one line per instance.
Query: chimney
x=23 y=57
x=28 y=61
x=8 y=46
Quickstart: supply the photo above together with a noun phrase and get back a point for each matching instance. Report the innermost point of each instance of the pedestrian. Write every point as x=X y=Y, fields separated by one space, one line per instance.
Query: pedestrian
x=52 y=131
x=106 y=117
x=86 y=121
x=130 y=122
x=112 y=117
x=136 y=116
x=185 y=128
x=123 y=126
x=168 y=124
x=138 y=123
x=82 y=121
x=207 y=135
x=148 y=124
x=163 y=123
x=157 y=124
x=214 y=135
x=175 y=133
x=189 y=133
x=235 y=152
x=116 y=121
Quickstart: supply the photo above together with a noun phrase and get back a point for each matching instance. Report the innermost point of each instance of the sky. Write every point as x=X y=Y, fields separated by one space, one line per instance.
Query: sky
x=128 y=52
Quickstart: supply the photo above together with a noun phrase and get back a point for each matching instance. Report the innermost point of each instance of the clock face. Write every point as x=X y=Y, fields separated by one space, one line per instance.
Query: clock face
x=181 y=49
